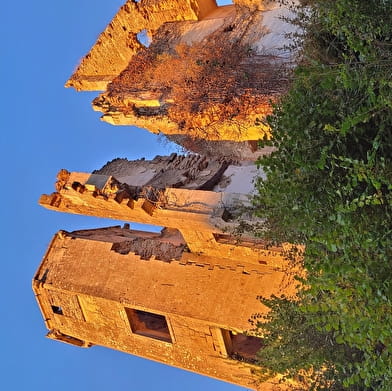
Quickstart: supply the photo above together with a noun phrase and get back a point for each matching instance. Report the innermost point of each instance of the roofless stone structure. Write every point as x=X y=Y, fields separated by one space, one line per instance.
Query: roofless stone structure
x=210 y=73
x=184 y=296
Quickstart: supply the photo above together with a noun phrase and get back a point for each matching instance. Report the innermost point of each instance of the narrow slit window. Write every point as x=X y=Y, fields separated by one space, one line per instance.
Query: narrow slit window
x=57 y=310
x=148 y=324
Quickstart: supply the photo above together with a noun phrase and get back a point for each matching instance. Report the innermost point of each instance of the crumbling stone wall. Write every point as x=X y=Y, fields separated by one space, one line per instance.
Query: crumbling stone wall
x=209 y=80
x=201 y=281
x=198 y=214
x=209 y=74
x=176 y=171
x=255 y=4
x=166 y=246
x=118 y=42
x=185 y=171
x=236 y=151
x=86 y=300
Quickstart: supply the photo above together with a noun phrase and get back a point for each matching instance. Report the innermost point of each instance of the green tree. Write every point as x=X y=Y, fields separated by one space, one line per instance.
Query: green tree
x=329 y=187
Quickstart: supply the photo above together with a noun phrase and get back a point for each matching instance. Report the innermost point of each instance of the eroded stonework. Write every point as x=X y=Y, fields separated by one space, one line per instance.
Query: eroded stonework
x=183 y=296
x=119 y=42
x=190 y=311
x=210 y=73
x=178 y=171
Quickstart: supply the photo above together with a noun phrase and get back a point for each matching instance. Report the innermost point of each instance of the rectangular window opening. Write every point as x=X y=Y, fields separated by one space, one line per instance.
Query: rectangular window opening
x=242 y=347
x=148 y=324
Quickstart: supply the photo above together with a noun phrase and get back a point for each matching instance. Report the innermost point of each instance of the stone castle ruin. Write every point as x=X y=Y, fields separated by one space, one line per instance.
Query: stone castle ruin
x=209 y=74
x=183 y=296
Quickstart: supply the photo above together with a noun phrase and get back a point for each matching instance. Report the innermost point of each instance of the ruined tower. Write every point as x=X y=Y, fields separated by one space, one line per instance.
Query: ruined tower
x=209 y=74
x=184 y=296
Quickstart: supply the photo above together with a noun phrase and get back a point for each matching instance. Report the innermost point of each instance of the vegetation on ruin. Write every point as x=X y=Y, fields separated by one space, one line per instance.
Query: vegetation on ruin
x=329 y=187
x=189 y=78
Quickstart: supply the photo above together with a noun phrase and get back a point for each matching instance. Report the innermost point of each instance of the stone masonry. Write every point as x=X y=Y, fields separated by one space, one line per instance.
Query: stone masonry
x=184 y=296
x=210 y=73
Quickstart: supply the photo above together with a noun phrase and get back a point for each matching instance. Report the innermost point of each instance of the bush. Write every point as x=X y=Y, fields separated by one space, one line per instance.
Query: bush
x=329 y=186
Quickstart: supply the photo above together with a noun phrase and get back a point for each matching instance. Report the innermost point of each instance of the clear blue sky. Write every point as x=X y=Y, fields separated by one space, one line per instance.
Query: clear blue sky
x=45 y=127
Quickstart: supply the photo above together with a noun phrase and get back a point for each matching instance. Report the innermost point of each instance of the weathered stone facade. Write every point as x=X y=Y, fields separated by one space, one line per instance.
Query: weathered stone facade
x=184 y=296
x=188 y=312
x=210 y=72
x=202 y=203
x=119 y=42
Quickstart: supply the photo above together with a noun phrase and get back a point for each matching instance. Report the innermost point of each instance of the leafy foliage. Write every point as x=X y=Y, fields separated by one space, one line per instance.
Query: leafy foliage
x=329 y=186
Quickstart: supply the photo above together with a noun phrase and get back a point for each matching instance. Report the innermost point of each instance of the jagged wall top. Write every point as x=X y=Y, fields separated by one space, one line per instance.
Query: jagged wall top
x=210 y=72
x=118 y=42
